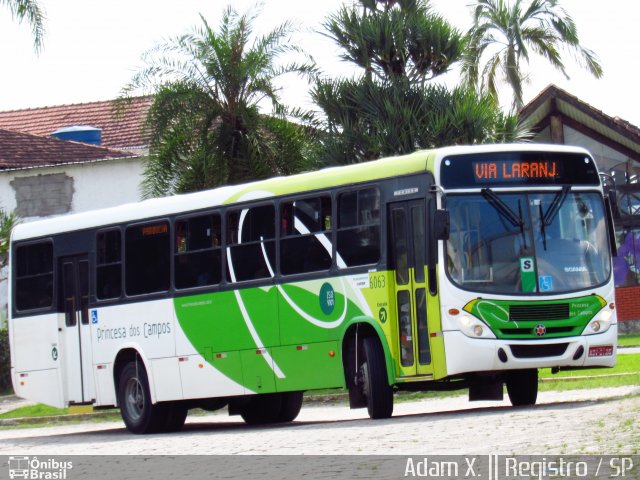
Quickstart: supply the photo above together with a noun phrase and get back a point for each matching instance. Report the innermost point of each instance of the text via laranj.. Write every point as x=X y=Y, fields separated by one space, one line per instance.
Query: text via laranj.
x=525 y=467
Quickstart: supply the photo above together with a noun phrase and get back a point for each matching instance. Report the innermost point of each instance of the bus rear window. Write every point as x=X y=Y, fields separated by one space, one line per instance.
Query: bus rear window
x=34 y=276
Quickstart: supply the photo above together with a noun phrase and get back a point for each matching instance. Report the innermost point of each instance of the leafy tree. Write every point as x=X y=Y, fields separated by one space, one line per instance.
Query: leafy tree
x=7 y=222
x=5 y=362
x=503 y=35
x=396 y=40
x=393 y=108
x=30 y=11
x=207 y=128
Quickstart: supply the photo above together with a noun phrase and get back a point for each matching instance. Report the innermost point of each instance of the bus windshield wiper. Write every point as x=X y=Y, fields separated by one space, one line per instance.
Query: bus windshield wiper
x=549 y=215
x=554 y=208
x=503 y=209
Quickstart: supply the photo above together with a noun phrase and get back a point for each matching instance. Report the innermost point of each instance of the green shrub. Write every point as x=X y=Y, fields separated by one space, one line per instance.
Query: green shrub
x=5 y=362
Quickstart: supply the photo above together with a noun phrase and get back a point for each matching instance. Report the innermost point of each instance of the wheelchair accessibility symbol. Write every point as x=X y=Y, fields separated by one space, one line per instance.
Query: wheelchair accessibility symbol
x=546 y=283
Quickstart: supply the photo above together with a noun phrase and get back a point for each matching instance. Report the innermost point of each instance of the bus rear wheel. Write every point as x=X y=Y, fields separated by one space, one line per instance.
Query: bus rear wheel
x=272 y=408
x=522 y=387
x=291 y=406
x=373 y=375
x=175 y=414
x=262 y=408
x=137 y=410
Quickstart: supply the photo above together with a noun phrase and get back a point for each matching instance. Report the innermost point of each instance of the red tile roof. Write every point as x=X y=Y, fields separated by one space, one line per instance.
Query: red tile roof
x=121 y=128
x=22 y=150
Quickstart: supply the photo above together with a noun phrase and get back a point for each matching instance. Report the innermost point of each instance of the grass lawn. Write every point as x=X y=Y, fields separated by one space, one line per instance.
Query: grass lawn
x=38 y=410
x=629 y=340
x=626 y=372
x=624 y=364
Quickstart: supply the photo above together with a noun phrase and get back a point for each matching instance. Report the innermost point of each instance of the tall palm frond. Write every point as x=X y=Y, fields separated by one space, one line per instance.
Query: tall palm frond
x=503 y=35
x=33 y=13
x=210 y=85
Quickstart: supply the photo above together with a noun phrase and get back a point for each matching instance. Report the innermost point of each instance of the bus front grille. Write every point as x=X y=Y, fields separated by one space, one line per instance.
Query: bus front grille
x=554 y=311
x=531 y=331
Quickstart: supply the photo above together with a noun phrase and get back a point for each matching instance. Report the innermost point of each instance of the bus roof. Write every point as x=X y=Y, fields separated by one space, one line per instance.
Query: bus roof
x=175 y=204
x=317 y=180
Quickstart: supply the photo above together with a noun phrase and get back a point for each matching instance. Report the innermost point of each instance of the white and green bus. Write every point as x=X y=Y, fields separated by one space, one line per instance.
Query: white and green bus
x=461 y=267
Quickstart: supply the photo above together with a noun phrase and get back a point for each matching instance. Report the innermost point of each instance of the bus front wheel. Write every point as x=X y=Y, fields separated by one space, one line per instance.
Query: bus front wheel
x=373 y=375
x=522 y=387
x=137 y=410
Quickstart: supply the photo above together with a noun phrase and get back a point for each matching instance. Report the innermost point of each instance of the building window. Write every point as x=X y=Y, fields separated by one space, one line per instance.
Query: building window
x=358 y=227
x=626 y=266
x=251 y=242
x=109 y=265
x=147 y=252
x=197 y=260
x=305 y=230
x=34 y=276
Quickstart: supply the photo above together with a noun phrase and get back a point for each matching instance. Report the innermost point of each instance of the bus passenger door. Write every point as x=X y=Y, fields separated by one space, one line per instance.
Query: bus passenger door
x=407 y=234
x=76 y=330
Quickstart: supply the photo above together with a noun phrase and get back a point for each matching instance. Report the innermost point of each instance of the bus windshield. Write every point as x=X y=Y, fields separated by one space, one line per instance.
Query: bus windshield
x=538 y=242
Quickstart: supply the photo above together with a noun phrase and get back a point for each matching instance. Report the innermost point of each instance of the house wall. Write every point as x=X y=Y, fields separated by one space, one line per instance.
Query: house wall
x=38 y=193
x=50 y=191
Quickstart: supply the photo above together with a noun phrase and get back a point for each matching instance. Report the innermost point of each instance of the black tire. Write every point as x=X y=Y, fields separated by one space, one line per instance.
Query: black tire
x=376 y=387
x=522 y=387
x=291 y=406
x=262 y=408
x=175 y=414
x=137 y=410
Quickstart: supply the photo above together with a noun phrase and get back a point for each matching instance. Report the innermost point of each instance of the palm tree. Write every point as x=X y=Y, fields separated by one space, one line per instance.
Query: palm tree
x=33 y=13
x=207 y=128
x=504 y=33
x=393 y=108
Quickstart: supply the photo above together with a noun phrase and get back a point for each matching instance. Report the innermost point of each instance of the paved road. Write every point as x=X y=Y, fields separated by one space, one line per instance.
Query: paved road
x=583 y=421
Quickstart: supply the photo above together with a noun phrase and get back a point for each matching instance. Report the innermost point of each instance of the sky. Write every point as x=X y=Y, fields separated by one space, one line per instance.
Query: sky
x=92 y=49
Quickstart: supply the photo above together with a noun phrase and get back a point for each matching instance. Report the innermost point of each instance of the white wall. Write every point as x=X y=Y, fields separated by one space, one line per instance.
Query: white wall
x=606 y=157
x=95 y=185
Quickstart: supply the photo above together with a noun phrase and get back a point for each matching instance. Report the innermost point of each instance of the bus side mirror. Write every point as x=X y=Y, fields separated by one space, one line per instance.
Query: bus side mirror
x=612 y=212
x=441 y=225
x=613 y=203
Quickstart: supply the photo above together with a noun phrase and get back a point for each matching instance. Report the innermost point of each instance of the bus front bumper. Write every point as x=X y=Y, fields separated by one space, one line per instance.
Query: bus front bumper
x=465 y=354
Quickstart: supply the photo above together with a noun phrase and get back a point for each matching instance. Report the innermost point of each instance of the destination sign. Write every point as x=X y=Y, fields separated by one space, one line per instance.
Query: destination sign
x=518 y=168
x=506 y=171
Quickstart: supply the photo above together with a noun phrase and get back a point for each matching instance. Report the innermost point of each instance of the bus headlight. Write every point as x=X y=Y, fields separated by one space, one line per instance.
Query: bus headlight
x=474 y=328
x=599 y=324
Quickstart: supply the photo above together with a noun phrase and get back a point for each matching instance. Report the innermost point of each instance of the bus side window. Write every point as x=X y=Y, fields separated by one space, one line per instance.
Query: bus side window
x=251 y=242
x=359 y=227
x=305 y=245
x=197 y=255
x=147 y=264
x=109 y=265
x=34 y=276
